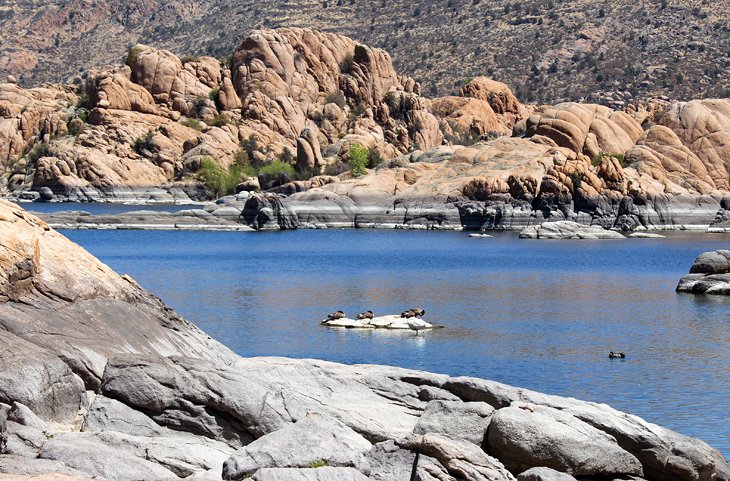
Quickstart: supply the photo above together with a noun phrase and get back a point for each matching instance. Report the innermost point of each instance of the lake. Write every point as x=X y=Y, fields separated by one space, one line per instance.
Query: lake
x=536 y=314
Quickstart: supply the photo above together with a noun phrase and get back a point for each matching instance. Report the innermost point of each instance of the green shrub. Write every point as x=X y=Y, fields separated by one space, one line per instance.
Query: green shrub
x=374 y=158
x=143 y=145
x=250 y=146
x=39 y=150
x=320 y=463
x=596 y=160
x=218 y=121
x=188 y=58
x=358 y=160
x=220 y=181
x=83 y=101
x=335 y=98
x=132 y=55
x=277 y=167
x=347 y=63
x=577 y=180
x=192 y=123
x=287 y=156
x=391 y=101
x=199 y=104
x=214 y=94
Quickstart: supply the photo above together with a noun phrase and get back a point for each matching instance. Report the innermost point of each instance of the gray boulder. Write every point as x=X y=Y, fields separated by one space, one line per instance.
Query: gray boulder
x=238 y=404
x=461 y=459
x=665 y=455
x=567 y=230
x=38 y=379
x=23 y=440
x=315 y=439
x=468 y=421
x=390 y=462
x=324 y=473
x=544 y=474
x=24 y=466
x=96 y=459
x=20 y=414
x=526 y=436
x=715 y=262
x=710 y=274
x=107 y=414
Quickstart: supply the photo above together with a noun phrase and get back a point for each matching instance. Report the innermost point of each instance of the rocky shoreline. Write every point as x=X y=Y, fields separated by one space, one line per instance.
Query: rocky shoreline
x=318 y=209
x=99 y=378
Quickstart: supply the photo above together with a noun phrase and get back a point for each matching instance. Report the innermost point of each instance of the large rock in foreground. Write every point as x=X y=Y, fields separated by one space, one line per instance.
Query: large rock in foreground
x=710 y=274
x=100 y=379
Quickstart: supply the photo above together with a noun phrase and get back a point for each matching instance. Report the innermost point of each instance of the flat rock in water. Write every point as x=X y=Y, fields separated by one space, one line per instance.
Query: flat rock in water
x=568 y=230
x=645 y=235
x=381 y=322
x=481 y=236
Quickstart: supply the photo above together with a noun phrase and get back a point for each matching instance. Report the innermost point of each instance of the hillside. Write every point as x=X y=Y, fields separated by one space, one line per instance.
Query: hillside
x=546 y=50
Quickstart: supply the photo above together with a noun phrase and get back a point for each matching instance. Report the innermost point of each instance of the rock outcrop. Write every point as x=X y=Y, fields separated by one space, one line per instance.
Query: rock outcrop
x=98 y=378
x=567 y=230
x=710 y=274
x=143 y=130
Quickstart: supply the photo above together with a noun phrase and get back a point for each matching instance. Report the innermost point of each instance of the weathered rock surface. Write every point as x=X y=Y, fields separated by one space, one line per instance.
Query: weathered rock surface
x=567 y=230
x=324 y=473
x=544 y=474
x=118 y=315
x=709 y=274
x=314 y=439
x=527 y=436
x=468 y=421
x=115 y=385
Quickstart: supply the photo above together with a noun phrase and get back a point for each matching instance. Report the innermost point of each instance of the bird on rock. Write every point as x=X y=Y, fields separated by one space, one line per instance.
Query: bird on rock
x=365 y=315
x=335 y=315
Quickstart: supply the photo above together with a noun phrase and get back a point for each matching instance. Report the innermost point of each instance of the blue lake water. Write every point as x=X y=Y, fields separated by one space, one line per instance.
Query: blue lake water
x=537 y=314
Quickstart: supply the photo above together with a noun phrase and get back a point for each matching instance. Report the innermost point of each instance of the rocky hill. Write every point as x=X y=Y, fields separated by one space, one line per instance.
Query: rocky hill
x=300 y=110
x=547 y=50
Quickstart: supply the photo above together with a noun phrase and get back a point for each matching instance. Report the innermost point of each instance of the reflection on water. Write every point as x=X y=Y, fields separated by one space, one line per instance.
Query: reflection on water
x=538 y=314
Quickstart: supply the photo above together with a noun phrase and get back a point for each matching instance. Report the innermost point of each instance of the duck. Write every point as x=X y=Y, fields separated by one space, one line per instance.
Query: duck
x=419 y=312
x=416 y=326
x=616 y=355
x=335 y=315
x=408 y=314
x=365 y=315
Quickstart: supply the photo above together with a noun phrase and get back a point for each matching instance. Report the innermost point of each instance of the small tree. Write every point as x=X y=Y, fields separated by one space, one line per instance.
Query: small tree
x=358 y=160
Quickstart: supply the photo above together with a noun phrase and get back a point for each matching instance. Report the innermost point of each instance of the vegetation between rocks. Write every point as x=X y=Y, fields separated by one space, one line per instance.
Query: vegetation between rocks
x=358 y=160
x=219 y=180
